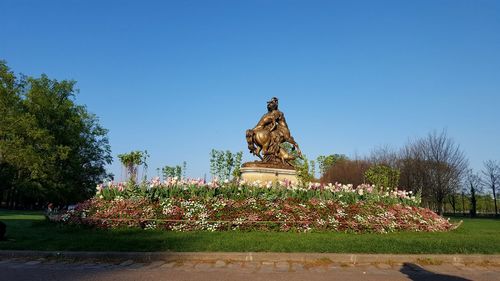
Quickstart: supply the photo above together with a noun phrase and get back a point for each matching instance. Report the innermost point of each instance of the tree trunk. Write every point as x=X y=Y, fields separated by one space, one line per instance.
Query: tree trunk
x=454 y=204
x=9 y=198
x=16 y=200
x=473 y=203
x=463 y=204
x=440 y=207
x=495 y=198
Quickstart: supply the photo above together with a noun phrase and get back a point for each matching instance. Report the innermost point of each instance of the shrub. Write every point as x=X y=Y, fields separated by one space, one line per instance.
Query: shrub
x=346 y=170
x=382 y=176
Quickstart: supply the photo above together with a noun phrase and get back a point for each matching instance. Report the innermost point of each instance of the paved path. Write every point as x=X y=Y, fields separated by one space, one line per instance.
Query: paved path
x=124 y=270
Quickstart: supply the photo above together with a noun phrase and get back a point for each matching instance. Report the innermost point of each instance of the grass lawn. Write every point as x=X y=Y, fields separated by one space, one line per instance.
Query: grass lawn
x=29 y=231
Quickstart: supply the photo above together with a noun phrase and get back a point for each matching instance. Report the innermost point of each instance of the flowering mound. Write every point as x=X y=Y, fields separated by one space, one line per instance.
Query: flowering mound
x=193 y=205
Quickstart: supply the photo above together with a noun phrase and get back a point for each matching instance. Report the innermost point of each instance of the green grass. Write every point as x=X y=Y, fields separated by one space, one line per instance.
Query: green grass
x=30 y=231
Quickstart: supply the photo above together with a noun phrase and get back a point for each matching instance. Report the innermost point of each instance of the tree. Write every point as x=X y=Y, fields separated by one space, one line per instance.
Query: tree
x=173 y=172
x=413 y=169
x=452 y=198
x=384 y=155
x=473 y=182
x=23 y=143
x=435 y=165
x=491 y=179
x=238 y=157
x=224 y=164
x=312 y=164
x=51 y=149
x=131 y=161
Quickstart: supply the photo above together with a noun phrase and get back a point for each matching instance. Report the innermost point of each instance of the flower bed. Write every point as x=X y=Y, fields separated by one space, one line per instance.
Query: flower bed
x=194 y=205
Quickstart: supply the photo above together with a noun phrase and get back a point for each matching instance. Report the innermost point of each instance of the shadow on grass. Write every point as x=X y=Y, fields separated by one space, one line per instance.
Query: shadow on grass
x=33 y=232
x=30 y=231
x=417 y=273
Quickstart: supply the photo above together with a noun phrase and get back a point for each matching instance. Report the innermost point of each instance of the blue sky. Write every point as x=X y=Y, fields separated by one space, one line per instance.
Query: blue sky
x=179 y=78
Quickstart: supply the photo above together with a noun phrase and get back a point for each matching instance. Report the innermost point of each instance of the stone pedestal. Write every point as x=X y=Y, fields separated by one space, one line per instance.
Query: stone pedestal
x=265 y=174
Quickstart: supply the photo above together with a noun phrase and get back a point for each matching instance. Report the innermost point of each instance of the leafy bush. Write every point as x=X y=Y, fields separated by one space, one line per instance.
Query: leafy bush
x=382 y=176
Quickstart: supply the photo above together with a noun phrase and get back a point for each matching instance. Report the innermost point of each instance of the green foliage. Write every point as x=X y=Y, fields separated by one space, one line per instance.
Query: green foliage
x=304 y=171
x=312 y=164
x=304 y=167
x=172 y=172
x=237 y=164
x=383 y=176
x=132 y=160
x=51 y=149
x=325 y=162
x=484 y=204
x=224 y=164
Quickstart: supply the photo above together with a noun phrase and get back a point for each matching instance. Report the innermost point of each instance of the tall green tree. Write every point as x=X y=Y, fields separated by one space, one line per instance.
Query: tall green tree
x=51 y=149
x=25 y=160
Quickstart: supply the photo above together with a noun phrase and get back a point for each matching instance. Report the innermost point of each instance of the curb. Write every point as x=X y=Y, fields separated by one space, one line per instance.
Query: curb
x=351 y=259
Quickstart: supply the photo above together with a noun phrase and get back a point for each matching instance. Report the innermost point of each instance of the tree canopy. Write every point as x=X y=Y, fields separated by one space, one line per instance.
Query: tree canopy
x=51 y=149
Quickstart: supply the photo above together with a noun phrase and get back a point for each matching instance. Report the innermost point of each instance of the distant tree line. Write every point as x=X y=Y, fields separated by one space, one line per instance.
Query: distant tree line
x=434 y=166
x=51 y=149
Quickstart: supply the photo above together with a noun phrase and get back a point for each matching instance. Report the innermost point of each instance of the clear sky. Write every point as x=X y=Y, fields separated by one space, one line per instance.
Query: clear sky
x=179 y=78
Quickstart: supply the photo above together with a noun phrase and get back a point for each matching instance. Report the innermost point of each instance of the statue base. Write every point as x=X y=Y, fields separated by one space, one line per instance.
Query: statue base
x=251 y=172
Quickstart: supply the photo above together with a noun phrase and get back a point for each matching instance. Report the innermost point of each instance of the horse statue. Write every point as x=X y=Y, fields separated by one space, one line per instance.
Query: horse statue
x=265 y=139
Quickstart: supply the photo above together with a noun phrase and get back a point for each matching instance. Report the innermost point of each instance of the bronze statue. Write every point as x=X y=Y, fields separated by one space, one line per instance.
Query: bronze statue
x=265 y=139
